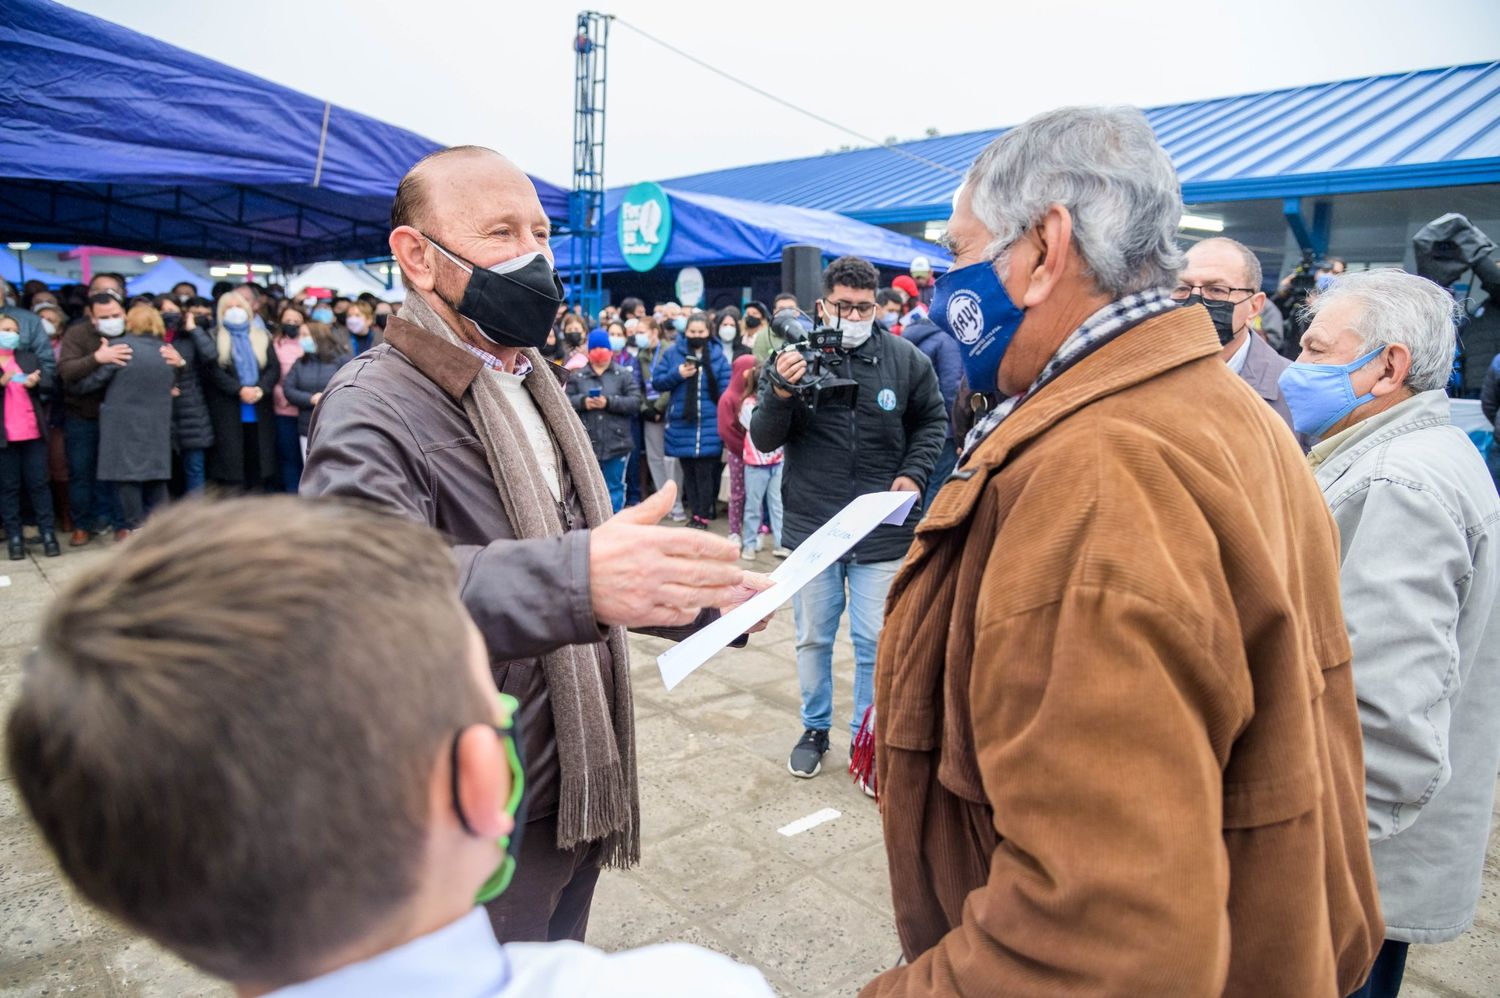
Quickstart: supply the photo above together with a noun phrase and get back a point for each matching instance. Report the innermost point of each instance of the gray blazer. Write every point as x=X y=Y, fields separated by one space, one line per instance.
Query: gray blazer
x=1262 y=371
x=1418 y=522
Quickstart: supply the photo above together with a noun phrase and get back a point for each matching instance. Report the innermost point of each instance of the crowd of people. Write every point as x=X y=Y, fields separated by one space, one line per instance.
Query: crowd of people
x=130 y=400
x=1186 y=685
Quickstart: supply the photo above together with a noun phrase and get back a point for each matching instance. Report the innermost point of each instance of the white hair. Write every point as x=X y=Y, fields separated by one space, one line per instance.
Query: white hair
x=1397 y=307
x=1105 y=166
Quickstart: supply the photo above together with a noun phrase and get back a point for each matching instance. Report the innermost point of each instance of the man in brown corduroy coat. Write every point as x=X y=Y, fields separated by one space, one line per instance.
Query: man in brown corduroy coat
x=1118 y=750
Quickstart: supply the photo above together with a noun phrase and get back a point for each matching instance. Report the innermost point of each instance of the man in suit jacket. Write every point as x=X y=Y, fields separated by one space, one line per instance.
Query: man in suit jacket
x=1224 y=275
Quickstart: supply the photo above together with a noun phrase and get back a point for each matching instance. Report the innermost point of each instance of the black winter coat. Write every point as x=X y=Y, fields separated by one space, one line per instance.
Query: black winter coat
x=221 y=388
x=192 y=429
x=896 y=428
x=609 y=428
x=309 y=376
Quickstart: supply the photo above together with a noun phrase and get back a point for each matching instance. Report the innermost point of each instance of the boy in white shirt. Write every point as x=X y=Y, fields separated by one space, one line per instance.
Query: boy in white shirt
x=297 y=788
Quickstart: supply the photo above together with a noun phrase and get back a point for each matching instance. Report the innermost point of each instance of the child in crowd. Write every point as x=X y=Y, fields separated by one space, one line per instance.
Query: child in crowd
x=298 y=792
x=23 y=442
x=762 y=478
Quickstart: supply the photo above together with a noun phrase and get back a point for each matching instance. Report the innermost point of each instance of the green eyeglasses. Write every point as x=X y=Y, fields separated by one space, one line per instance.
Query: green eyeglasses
x=509 y=844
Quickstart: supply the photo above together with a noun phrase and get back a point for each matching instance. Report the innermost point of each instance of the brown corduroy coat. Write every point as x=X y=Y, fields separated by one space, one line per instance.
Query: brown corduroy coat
x=1119 y=752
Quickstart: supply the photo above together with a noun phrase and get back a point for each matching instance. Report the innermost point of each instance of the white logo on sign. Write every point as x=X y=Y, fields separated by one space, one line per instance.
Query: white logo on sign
x=642 y=227
x=966 y=317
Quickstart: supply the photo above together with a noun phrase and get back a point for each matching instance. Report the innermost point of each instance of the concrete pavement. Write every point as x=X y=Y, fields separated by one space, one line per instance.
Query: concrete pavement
x=812 y=910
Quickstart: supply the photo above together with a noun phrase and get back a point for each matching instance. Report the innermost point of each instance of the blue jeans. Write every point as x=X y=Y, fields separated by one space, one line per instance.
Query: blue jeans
x=614 y=477
x=1386 y=975
x=818 y=609
x=288 y=453
x=193 y=474
x=93 y=502
x=762 y=488
x=946 y=462
x=633 y=465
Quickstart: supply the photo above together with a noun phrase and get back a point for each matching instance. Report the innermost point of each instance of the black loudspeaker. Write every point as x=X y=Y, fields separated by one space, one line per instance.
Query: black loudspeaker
x=802 y=274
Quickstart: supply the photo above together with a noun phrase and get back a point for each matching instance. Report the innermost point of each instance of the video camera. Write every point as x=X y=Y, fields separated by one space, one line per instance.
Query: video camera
x=822 y=386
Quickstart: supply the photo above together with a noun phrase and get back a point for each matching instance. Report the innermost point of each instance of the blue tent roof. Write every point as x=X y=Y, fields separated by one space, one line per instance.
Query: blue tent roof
x=163 y=277
x=10 y=269
x=114 y=137
x=712 y=231
x=1428 y=128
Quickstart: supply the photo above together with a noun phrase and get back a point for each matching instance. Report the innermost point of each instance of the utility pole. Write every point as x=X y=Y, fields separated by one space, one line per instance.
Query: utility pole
x=586 y=202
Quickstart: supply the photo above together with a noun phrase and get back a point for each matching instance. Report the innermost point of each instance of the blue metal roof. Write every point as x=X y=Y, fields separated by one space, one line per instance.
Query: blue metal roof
x=1426 y=128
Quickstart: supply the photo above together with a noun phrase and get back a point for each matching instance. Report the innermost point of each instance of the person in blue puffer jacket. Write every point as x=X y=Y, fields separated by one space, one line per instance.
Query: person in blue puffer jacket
x=696 y=372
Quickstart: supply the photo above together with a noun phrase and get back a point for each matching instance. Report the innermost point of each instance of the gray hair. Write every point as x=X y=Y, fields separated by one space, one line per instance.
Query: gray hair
x=1105 y=166
x=1397 y=307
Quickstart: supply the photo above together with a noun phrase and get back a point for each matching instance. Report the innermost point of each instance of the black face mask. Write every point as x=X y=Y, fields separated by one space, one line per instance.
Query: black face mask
x=752 y=322
x=573 y=339
x=380 y=320
x=172 y=321
x=1222 y=314
x=514 y=306
x=696 y=343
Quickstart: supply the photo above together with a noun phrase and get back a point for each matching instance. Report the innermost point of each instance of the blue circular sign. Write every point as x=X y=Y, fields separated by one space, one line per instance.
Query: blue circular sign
x=886 y=400
x=645 y=225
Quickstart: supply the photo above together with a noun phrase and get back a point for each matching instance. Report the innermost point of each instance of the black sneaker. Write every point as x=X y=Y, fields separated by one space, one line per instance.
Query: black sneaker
x=807 y=757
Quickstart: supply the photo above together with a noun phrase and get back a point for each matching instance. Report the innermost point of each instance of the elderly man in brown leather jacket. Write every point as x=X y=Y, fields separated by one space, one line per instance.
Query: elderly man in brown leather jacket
x=1119 y=751
x=456 y=421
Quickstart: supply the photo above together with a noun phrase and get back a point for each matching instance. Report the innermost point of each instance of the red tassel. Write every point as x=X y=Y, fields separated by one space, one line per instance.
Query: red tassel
x=862 y=753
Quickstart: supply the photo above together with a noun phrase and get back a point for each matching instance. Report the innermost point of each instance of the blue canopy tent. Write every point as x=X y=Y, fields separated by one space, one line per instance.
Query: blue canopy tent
x=165 y=276
x=10 y=269
x=114 y=137
x=710 y=230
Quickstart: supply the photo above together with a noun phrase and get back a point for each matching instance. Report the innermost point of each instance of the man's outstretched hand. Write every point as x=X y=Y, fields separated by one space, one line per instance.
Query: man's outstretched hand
x=645 y=575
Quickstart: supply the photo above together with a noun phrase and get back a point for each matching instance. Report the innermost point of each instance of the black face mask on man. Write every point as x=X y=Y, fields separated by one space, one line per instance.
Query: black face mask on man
x=512 y=303
x=1222 y=314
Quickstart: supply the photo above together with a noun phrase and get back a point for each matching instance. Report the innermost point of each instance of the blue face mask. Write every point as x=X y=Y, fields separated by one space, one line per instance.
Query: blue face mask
x=9 y=341
x=679 y=324
x=322 y=315
x=970 y=304
x=617 y=343
x=309 y=345
x=642 y=341
x=1320 y=395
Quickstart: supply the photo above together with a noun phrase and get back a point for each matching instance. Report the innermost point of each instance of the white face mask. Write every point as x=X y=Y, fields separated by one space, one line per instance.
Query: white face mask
x=112 y=327
x=236 y=316
x=727 y=333
x=632 y=323
x=855 y=332
x=49 y=327
x=355 y=324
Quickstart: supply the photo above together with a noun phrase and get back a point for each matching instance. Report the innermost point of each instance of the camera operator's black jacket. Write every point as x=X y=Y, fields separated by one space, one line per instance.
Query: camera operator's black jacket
x=833 y=455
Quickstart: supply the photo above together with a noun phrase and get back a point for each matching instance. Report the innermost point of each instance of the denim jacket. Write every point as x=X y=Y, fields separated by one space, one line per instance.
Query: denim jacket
x=1419 y=521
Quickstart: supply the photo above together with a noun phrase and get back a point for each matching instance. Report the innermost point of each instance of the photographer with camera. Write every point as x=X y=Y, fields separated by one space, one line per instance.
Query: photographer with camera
x=858 y=410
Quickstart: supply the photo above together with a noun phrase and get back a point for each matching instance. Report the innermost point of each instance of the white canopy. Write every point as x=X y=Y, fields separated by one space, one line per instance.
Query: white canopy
x=345 y=280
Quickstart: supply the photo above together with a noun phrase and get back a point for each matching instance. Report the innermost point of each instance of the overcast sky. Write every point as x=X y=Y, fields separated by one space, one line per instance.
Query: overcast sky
x=500 y=72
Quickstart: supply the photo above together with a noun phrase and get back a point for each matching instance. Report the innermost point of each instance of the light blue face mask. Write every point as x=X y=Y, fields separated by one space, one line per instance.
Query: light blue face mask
x=642 y=341
x=1320 y=395
x=9 y=341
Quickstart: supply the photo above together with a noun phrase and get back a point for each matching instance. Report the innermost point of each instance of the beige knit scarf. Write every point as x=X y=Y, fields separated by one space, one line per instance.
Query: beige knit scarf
x=599 y=798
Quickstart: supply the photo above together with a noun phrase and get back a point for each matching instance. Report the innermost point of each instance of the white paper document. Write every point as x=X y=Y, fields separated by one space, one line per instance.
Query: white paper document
x=831 y=542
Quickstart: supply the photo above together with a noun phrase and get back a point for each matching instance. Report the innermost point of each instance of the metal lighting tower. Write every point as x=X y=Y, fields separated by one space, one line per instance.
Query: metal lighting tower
x=586 y=203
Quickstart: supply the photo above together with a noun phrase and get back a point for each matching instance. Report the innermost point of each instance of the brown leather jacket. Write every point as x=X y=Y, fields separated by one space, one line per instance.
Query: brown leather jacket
x=1118 y=746
x=391 y=429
